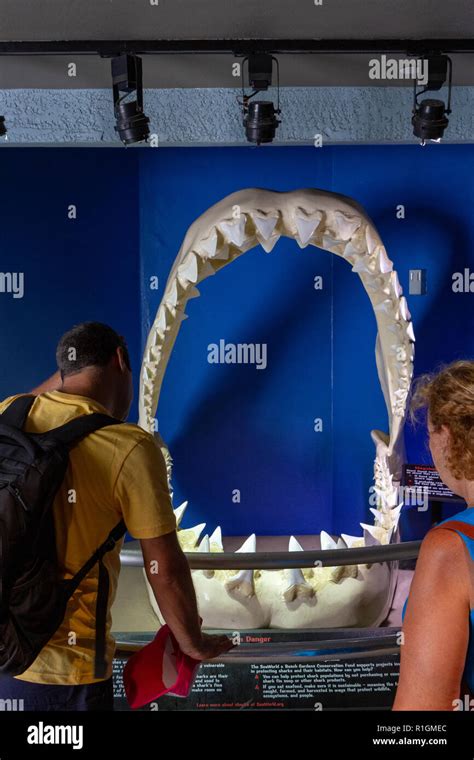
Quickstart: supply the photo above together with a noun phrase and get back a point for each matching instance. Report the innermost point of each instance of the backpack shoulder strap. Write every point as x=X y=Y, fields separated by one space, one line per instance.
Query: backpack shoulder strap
x=72 y=431
x=100 y=665
x=16 y=413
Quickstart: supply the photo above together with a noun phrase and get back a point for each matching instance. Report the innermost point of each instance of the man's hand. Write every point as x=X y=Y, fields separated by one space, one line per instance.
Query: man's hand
x=211 y=646
x=174 y=592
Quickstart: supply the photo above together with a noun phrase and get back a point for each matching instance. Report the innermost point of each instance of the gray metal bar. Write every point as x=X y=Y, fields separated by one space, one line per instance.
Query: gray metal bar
x=297 y=651
x=288 y=560
x=236 y=47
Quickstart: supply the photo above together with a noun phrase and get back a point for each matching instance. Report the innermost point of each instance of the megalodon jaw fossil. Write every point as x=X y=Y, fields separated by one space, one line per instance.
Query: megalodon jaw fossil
x=341 y=596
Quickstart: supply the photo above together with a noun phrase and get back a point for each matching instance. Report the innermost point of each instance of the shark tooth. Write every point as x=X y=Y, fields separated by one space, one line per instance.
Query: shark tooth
x=149 y=384
x=149 y=371
x=380 y=516
x=172 y=295
x=155 y=354
x=294 y=545
x=327 y=541
x=205 y=548
x=362 y=264
x=234 y=231
x=243 y=581
x=209 y=244
x=410 y=332
x=223 y=252
x=395 y=283
x=269 y=245
x=346 y=225
x=330 y=243
x=404 y=311
x=188 y=269
x=352 y=541
x=249 y=545
x=215 y=540
x=385 y=265
x=394 y=515
x=193 y=292
x=160 y=321
x=179 y=512
x=205 y=268
x=265 y=226
x=297 y=587
x=371 y=239
x=372 y=534
x=306 y=225
x=190 y=536
x=155 y=339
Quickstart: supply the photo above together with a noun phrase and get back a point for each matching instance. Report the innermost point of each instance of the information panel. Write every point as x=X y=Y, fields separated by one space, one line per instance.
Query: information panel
x=421 y=482
x=361 y=681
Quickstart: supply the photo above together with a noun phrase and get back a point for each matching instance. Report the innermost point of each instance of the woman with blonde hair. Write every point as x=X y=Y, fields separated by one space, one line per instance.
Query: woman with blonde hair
x=437 y=652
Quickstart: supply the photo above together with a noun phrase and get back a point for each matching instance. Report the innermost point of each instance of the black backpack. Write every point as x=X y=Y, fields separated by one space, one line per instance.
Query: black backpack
x=33 y=596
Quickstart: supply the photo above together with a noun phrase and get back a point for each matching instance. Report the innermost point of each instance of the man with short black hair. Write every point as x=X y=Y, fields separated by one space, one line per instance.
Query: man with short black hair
x=117 y=472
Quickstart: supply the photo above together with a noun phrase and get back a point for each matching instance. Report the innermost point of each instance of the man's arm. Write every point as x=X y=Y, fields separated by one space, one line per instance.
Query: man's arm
x=53 y=383
x=169 y=575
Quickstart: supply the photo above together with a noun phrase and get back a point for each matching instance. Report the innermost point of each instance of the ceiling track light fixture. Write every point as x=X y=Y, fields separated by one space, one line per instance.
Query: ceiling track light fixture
x=430 y=117
x=132 y=124
x=260 y=116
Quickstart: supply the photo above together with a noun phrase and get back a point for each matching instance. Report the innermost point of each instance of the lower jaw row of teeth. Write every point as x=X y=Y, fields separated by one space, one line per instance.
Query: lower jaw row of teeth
x=339 y=596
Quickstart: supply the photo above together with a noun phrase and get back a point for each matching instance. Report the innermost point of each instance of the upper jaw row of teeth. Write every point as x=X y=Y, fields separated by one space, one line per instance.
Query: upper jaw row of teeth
x=348 y=235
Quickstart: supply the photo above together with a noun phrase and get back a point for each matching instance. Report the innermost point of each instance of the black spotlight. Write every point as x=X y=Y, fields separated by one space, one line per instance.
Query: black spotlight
x=132 y=124
x=3 y=128
x=260 y=116
x=430 y=116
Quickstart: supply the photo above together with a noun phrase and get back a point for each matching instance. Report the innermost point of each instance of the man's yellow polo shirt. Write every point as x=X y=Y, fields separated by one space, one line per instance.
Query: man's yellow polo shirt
x=116 y=472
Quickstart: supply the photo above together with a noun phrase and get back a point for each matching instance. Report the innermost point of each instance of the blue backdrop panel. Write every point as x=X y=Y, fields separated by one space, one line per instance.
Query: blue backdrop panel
x=74 y=270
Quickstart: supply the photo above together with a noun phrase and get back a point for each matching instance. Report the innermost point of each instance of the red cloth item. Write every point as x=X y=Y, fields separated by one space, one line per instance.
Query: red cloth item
x=159 y=668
